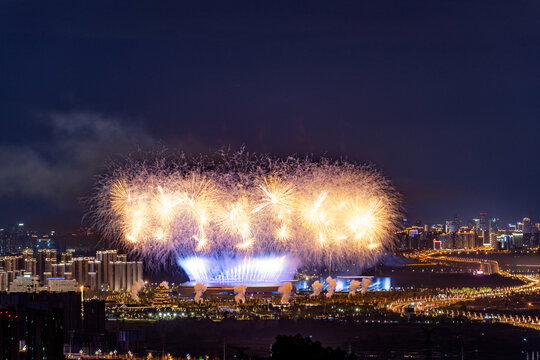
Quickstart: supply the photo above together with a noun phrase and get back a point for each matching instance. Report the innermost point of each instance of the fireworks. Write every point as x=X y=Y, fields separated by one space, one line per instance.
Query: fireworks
x=321 y=212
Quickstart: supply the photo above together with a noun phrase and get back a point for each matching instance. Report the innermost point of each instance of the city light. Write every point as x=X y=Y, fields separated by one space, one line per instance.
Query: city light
x=239 y=270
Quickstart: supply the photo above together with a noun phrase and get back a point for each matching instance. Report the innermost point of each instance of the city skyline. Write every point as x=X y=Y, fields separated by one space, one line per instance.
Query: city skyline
x=406 y=220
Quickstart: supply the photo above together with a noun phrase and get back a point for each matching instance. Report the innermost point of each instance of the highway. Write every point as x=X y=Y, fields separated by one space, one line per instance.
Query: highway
x=431 y=306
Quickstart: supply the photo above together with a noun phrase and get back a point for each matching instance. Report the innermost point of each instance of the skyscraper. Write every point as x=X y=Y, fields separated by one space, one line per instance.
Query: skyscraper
x=483 y=221
x=494 y=225
x=527 y=225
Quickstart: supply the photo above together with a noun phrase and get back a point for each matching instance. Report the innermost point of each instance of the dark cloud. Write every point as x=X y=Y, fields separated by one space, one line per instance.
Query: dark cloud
x=61 y=165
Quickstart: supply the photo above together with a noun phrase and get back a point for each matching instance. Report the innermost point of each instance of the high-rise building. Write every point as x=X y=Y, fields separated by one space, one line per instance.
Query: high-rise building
x=66 y=257
x=30 y=265
x=87 y=271
x=466 y=239
x=15 y=238
x=494 y=225
x=44 y=334
x=9 y=341
x=504 y=241
x=516 y=240
x=28 y=254
x=527 y=226
x=106 y=258
x=42 y=256
x=79 y=267
x=4 y=282
x=93 y=280
x=119 y=275
x=452 y=226
x=484 y=237
x=483 y=221
x=493 y=240
x=139 y=271
x=45 y=319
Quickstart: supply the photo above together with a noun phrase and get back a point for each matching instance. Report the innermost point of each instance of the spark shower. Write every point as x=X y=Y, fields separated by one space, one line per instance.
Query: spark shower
x=238 y=205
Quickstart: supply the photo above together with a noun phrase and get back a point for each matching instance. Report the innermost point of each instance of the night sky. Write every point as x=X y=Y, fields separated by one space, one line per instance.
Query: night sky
x=442 y=96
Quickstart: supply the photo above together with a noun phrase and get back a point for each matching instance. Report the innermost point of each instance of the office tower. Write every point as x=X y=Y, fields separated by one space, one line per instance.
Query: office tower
x=452 y=226
x=483 y=221
x=493 y=240
x=494 y=225
x=527 y=226
x=15 y=238
x=486 y=241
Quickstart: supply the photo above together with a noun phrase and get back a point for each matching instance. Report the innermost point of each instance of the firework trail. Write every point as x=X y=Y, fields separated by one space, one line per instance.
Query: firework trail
x=325 y=213
x=365 y=284
x=199 y=289
x=332 y=283
x=353 y=285
x=317 y=287
x=285 y=291
x=240 y=292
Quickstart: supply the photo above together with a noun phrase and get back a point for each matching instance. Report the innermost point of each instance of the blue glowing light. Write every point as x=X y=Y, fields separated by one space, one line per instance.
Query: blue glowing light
x=230 y=270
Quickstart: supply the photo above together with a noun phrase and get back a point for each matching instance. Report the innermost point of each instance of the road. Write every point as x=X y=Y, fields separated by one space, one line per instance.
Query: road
x=431 y=306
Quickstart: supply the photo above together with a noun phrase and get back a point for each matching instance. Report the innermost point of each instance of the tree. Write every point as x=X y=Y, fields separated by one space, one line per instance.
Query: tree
x=296 y=347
